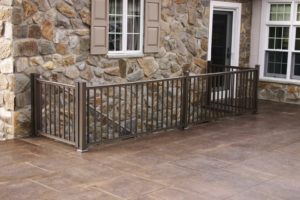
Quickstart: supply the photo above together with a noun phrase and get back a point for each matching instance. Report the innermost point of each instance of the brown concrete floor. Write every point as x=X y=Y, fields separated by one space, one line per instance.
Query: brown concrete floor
x=253 y=157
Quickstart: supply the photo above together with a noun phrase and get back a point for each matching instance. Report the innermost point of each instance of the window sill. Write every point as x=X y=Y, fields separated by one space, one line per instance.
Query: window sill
x=125 y=55
x=280 y=81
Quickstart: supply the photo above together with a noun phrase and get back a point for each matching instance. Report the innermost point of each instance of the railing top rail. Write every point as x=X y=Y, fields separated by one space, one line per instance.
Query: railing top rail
x=135 y=83
x=224 y=73
x=229 y=66
x=56 y=83
x=170 y=79
x=152 y=81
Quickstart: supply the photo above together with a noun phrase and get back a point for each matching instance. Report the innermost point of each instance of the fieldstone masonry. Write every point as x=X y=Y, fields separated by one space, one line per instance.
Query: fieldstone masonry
x=52 y=38
x=279 y=92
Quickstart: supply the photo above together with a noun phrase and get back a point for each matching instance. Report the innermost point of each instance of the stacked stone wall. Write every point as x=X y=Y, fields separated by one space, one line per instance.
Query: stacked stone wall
x=52 y=38
x=6 y=70
x=287 y=93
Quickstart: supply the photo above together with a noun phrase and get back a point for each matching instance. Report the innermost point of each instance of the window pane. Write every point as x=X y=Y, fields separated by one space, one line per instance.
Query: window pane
x=136 y=42
x=274 y=8
x=137 y=9
x=298 y=12
x=272 y=32
x=297 y=45
x=271 y=43
x=276 y=63
x=130 y=42
x=112 y=24
x=130 y=25
x=118 y=42
x=119 y=24
x=280 y=12
x=278 y=32
x=115 y=25
x=298 y=33
x=271 y=68
x=119 y=6
x=285 y=32
x=278 y=44
x=285 y=44
x=278 y=38
x=296 y=63
x=280 y=8
x=111 y=42
x=112 y=7
x=130 y=7
x=277 y=69
x=137 y=24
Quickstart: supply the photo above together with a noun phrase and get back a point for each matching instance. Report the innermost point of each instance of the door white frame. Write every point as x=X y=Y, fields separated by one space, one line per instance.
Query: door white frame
x=235 y=8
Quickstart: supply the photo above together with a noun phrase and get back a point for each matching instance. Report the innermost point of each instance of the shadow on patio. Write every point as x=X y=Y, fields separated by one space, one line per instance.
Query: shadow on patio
x=244 y=157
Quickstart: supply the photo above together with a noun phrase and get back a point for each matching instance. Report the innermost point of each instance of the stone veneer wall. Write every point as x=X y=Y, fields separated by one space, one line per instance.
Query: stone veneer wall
x=287 y=93
x=52 y=38
x=7 y=84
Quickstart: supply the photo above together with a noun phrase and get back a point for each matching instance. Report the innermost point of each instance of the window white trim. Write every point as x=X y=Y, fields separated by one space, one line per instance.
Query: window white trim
x=236 y=27
x=292 y=24
x=124 y=52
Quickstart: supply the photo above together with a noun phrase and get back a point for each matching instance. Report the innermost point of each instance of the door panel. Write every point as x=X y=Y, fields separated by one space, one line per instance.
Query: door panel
x=221 y=38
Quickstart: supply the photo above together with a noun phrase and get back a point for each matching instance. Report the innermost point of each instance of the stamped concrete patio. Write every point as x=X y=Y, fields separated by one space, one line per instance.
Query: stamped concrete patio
x=246 y=157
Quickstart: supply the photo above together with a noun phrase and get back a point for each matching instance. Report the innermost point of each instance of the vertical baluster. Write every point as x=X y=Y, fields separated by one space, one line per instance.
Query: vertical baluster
x=176 y=106
x=136 y=107
x=251 y=90
x=120 y=109
x=147 y=107
x=107 y=112
x=167 y=105
x=64 y=113
x=202 y=112
x=101 y=115
x=226 y=93
x=89 y=121
x=142 y=111
x=162 y=104
x=45 y=108
x=198 y=98
x=157 y=104
x=214 y=95
x=131 y=108
x=232 y=89
x=172 y=102
x=74 y=117
x=152 y=106
x=218 y=86
x=193 y=92
x=59 y=113
x=95 y=114
x=125 y=108
x=54 y=110
x=50 y=109
x=189 y=102
x=113 y=123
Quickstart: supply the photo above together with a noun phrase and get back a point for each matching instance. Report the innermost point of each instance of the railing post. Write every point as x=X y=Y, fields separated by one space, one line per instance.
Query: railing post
x=185 y=100
x=256 y=81
x=208 y=86
x=35 y=104
x=80 y=116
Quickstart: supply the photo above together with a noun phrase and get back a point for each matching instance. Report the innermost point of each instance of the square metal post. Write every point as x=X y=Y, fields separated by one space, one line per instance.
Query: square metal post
x=35 y=104
x=81 y=118
x=256 y=82
x=185 y=100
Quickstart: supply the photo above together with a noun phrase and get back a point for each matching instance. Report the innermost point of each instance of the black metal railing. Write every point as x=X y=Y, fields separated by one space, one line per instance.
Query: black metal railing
x=82 y=115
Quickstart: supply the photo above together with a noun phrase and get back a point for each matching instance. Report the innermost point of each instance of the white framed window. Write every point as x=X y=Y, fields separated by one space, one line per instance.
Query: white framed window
x=280 y=41
x=125 y=35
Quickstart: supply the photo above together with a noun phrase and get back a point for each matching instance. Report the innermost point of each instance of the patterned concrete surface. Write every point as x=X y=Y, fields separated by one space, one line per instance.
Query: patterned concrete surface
x=253 y=157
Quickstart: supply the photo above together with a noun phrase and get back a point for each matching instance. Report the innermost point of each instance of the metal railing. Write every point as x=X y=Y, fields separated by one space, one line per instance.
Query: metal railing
x=82 y=115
